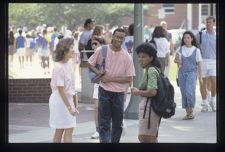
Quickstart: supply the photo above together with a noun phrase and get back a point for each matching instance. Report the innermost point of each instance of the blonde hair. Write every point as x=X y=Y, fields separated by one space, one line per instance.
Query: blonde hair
x=162 y=22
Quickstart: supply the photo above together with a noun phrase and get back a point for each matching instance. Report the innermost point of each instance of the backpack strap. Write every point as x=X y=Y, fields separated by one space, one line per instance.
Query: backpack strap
x=104 y=53
x=149 y=112
x=200 y=37
x=149 y=115
x=150 y=108
x=145 y=107
x=158 y=127
x=159 y=72
x=180 y=50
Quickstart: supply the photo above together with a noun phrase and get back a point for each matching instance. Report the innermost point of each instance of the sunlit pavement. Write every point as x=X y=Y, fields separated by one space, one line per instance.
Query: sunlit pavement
x=28 y=122
x=34 y=70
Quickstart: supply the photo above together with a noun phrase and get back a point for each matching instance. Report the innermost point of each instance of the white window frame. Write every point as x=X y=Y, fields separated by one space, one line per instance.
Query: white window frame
x=208 y=9
x=166 y=8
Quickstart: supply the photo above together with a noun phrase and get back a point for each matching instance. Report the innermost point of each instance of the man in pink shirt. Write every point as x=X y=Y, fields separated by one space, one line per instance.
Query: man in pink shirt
x=118 y=73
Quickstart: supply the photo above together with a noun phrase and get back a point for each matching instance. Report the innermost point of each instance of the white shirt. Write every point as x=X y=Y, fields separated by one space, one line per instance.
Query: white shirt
x=162 y=46
x=85 y=36
x=128 y=44
x=186 y=52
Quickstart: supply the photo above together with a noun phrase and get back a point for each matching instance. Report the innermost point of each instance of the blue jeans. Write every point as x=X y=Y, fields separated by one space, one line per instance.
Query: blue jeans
x=110 y=109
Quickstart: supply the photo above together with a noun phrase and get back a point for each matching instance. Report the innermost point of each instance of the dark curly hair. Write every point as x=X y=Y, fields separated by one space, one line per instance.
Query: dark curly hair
x=62 y=48
x=149 y=49
x=194 y=41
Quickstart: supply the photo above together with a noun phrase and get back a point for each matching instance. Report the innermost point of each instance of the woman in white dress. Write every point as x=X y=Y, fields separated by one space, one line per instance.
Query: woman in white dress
x=61 y=105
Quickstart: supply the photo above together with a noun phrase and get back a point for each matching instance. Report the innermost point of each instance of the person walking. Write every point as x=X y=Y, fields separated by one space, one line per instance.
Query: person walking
x=97 y=41
x=20 y=44
x=30 y=48
x=189 y=59
x=54 y=35
x=208 y=51
x=162 y=46
x=171 y=46
x=45 y=51
x=107 y=33
x=11 y=41
x=147 y=57
x=61 y=105
x=117 y=75
x=98 y=30
x=128 y=43
x=89 y=25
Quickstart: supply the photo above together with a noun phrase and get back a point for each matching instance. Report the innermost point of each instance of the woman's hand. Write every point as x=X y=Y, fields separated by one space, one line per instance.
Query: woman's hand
x=71 y=111
x=135 y=91
x=177 y=59
x=167 y=61
x=200 y=81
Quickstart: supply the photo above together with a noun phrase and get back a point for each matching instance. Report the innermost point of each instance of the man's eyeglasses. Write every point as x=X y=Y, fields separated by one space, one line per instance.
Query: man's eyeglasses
x=119 y=38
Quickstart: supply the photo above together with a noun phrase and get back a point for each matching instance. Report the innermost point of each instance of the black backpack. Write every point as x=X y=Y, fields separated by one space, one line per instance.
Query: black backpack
x=163 y=103
x=89 y=47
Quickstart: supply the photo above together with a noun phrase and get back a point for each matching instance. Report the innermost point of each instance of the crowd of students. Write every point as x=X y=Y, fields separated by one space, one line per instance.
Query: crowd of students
x=195 y=58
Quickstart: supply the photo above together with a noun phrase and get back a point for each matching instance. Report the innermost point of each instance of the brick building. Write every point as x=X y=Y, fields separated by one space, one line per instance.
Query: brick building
x=176 y=15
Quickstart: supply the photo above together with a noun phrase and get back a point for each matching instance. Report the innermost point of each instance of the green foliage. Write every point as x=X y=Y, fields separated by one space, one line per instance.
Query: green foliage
x=70 y=14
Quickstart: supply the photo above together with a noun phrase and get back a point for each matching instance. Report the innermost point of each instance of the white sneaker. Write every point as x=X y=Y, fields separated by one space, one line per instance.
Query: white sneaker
x=212 y=105
x=204 y=108
x=95 y=135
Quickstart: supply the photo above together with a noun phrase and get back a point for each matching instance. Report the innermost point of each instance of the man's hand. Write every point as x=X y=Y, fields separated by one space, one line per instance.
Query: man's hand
x=101 y=72
x=105 y=79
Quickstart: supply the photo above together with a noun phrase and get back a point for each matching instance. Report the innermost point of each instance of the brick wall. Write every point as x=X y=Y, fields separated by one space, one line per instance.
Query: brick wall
x=29 y=90
x=174 y=21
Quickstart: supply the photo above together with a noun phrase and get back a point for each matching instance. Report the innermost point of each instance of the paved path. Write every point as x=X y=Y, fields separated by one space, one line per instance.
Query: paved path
x=28 y=123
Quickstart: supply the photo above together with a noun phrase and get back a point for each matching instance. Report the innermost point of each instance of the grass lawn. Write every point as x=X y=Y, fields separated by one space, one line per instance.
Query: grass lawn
x=173 y=69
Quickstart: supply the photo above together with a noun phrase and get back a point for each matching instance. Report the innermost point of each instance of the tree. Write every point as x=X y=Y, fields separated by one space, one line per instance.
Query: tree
x=70 y=14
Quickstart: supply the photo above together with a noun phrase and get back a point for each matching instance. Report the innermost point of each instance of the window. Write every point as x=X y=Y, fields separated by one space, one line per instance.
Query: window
x=205 y=9
x=168 y=8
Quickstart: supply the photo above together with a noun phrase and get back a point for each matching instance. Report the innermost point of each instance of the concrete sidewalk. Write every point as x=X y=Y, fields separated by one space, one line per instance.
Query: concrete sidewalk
x=28 y=123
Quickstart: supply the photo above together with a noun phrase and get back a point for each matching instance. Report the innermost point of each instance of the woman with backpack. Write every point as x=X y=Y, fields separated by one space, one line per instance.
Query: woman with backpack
x=189 y=59
x=147 y=56
x=97 y=41
x=98 y=30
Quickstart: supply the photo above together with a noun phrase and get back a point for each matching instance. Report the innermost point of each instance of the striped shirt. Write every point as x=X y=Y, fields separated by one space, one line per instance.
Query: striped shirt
x=118 y=64
x=208 y=45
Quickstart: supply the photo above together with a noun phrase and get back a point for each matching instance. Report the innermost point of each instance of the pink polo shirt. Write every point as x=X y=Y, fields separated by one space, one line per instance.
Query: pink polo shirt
x=117 y=64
